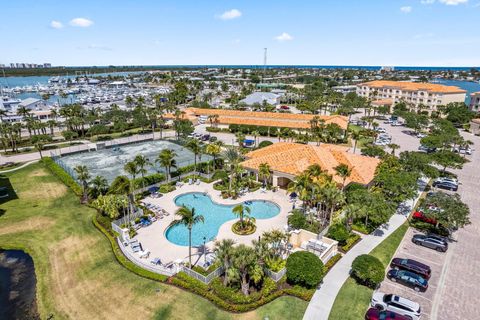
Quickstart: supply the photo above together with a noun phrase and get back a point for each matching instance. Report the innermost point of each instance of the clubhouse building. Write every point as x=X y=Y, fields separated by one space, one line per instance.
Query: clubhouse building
x=287 y=160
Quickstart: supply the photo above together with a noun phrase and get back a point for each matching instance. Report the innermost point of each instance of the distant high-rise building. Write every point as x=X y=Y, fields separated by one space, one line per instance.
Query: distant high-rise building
x=47 y=65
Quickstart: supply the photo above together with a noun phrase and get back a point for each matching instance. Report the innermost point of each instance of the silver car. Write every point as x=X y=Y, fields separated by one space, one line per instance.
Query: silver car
x=391 y=302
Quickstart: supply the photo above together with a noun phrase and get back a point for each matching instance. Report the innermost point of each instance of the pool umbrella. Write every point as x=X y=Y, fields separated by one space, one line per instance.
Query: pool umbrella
x=153 y=189
x=293 y=195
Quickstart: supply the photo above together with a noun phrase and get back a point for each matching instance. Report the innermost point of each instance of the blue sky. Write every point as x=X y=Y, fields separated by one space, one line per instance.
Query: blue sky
x=309 y=32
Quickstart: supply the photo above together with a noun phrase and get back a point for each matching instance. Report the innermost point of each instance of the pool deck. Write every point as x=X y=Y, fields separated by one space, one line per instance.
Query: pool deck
x=153 y=237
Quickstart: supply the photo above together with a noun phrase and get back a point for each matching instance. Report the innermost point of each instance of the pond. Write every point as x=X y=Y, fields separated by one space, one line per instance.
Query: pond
x=17 y=286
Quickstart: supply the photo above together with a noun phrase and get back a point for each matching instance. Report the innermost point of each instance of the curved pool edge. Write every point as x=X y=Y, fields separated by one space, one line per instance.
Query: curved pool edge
x=165 y=232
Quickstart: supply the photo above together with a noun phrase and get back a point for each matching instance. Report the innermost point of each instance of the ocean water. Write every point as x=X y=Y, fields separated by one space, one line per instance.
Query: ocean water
x=215 y=215
x=469 y=86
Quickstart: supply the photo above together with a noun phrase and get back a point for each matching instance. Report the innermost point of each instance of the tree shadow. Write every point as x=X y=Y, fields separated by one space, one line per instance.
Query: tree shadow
x=7 y=192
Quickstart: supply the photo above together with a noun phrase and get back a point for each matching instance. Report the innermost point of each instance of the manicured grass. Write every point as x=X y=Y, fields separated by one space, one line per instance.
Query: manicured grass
x=78 y=276
x=353 y=299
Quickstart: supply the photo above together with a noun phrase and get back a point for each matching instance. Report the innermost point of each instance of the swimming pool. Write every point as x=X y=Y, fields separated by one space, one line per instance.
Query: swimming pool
x=215 y=215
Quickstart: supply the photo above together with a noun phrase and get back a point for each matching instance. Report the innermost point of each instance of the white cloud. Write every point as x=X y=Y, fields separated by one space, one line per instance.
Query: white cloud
x=284 y=37
x=427 y=1
x=406 y=9
x=230 y=14
x=453 y=2
x=56 y=24
x=81 y=22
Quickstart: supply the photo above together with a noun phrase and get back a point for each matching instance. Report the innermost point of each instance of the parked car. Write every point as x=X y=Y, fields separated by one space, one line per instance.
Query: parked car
x=421 y=135
x=397 y=304
x=431 y=241
x=375 y=314
x=463 y=150
x=213 y=139
x=419 y=215
x=381 y=130
x=427 y=149
x=447 y=185
x=413 y=266
x=447 y=179
x=205 y=137
x=407 y=278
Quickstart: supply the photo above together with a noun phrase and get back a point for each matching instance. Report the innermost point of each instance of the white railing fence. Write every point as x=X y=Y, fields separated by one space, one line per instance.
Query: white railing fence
x=205 y=279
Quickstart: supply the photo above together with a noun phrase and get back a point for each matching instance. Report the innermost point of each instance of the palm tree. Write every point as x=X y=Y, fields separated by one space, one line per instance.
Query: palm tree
x=343 y=171
x=214 y=150
x=166 y=158
x=332 y=198
x=83 y=176
x=132 y=169
x=99 y=186
x=233 y=157
x=245 y=267
x=142 y=162
x=255 y=135
x=264 y=172
x=224 y=254
x=39 y=141
x=355 y=135
x=188 y=218
x=196 y=148
x=393 y=147
x=243 y=213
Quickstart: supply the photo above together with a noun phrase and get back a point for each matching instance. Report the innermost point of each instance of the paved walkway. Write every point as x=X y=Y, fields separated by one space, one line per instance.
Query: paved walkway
x=323 y=299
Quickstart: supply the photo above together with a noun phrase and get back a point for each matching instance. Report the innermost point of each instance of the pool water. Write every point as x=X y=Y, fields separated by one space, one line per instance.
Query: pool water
x=215 y=215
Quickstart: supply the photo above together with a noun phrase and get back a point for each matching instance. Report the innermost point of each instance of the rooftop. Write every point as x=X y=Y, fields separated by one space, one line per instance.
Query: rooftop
x=294 y=158
x=270 y=119
x=413 y=86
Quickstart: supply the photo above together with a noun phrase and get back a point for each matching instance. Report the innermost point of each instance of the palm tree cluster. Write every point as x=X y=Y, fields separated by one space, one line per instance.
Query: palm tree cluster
x=319 y=192
x=247 y=265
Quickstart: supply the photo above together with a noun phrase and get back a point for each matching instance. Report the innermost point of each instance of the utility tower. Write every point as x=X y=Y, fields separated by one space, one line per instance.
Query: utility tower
x=264 y=61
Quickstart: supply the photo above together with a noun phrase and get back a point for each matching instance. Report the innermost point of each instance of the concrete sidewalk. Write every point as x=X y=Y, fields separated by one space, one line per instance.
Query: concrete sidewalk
x=323 y=299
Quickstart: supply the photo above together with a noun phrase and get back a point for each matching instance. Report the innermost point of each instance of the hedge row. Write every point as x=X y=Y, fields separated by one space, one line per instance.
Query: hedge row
x=62 y=175
x=332 y=261
x=183 y=281
x=351 y=241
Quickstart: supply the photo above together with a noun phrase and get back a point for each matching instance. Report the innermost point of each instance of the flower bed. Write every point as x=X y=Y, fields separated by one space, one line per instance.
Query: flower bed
x=350 y=243
x=249 y=228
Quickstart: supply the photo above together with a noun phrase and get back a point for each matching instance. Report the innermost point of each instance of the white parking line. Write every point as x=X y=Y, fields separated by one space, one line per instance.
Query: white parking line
x=420 y=259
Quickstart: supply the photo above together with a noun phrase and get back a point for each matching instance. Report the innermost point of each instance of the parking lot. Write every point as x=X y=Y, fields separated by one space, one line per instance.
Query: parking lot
x=432 y=258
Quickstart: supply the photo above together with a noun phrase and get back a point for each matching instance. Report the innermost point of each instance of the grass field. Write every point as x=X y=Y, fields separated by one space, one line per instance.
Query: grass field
x=353 y=299
x=77 y=274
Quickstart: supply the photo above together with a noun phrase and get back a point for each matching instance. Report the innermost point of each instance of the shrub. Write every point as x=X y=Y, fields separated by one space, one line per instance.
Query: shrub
x=264 y=144
x=62 y=175
x=275 y=264
x=332 y=261
x=166 y=188
x=368 y=270
x=297 y=220
x=305 y=269
x=351 y=241
x=338 y=232
x=213 y=129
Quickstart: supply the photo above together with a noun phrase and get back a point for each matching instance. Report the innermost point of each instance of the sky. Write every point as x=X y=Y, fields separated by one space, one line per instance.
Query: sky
x=221 y=32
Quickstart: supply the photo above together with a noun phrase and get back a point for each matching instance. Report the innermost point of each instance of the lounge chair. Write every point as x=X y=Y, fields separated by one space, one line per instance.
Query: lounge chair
x=179 y=184
x=156 y=261
x=144 y=254
x=136 y=249
x=197 y=182
x=190 y=181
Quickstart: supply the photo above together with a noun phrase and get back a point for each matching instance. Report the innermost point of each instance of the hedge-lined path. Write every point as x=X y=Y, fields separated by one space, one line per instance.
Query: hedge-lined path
x=323 y=299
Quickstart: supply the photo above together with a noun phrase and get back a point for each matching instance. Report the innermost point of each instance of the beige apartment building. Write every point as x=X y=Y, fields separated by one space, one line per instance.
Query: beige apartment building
x=431 y=95
x=475 y=101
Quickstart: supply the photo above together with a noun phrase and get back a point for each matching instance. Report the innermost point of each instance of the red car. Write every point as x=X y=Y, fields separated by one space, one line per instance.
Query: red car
x=375 y=314
x=285 y=107
x=420 y=216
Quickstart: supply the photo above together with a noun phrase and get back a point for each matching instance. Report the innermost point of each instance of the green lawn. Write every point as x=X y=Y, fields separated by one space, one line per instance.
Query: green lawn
x=353 y=299
x=77 y=274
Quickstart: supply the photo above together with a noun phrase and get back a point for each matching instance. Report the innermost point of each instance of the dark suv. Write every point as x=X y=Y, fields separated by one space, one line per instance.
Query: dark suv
x=410 y=279
x=431 y=241
x=412 y=265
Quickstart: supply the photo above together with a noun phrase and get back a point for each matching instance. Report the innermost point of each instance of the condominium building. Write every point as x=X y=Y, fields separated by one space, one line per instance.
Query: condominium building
x=430 y=95
x=475 y=101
